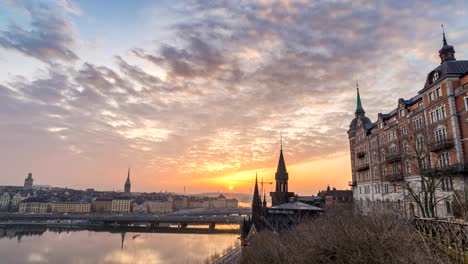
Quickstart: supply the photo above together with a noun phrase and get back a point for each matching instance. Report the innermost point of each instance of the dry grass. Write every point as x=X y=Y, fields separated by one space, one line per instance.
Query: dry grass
x=343 y=237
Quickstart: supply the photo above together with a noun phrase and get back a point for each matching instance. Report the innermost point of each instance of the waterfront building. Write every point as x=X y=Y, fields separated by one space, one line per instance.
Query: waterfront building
x=159 y=207
x=34 y=205
x=127 y=183
x=424 y=139
x=233 y=203
x=333 y=196
x=28 y=182
x=180 y=202
x=121 y=205
x=16 y=200
x=102 y=205
x=71 y=207
x=141 y=208
x=5 y=201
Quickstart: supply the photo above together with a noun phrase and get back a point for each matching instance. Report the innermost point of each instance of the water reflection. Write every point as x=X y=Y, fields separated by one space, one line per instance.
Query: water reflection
x=36 y=244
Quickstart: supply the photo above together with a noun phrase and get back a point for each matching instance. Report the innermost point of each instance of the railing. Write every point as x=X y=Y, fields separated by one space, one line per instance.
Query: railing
x=394 y=177
x=361 y=154
x=232 y=257
x=446 y=170
x=352 y=183
x=441 y=145
x=393 y=158
x=452 y=236
x=362 y=167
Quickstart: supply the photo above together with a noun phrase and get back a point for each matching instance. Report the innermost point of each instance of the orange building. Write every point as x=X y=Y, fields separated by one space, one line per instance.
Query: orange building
x=385 y=171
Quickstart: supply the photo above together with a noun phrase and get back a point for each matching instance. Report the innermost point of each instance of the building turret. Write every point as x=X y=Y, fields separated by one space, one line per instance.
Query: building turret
x=359 y=114
x=127 y=183
x=28 y=182
x=281 y=194
x=447 y=52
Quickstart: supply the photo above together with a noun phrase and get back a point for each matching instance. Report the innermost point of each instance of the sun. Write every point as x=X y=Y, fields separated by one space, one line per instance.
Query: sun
x=230 y=187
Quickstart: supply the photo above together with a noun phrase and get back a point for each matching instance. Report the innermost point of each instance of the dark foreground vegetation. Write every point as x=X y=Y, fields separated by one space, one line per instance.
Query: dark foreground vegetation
x=343 y=237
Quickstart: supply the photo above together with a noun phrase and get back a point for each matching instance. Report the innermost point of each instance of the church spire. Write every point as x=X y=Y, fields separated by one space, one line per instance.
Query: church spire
x=359 y=108
x=127 y=183
x=447 y=52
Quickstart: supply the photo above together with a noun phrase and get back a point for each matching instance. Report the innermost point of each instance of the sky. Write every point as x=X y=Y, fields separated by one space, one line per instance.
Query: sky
x=195 y=93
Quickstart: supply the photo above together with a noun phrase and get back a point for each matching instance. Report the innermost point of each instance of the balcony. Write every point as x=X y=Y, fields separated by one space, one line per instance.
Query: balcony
x=445 y=170
x=393 y=158
x=362 y=167
x=352 y=183
x=361 y=154
x=394 y=177
x=441 y=145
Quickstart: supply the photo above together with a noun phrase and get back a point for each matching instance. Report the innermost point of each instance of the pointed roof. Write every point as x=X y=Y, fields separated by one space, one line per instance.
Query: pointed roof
x=359 y=104
x=281 y=172
x=256 y=201
x=128 y=177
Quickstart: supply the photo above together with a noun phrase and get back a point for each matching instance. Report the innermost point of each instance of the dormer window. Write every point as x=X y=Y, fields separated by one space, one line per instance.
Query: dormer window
x=402 y=112
x=435 y=76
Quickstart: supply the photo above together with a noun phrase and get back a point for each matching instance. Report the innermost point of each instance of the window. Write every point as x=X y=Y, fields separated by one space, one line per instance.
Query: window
x=438 y=92
x=402 y=112
x=420 y=104
x=422 y=163
x=375 y=171
x=431 y=96
x=440 y=134
x=395 y=168
x=404 y=131
x=435 y=76
x=381 y=140
x=466 y=103
x=438 y=114
x=417 y=124
x=447 y=184
x=448 y=207
x=405 y=148
x=393 y=149
x=382 y=155
x=408 y=167
x=444 y=160
x=419 y=142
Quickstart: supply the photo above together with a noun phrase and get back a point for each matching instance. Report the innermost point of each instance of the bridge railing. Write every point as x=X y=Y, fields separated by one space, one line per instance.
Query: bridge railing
x=450 y=236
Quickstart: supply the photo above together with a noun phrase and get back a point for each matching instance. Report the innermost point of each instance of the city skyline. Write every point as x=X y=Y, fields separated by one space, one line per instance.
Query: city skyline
x=195 y=93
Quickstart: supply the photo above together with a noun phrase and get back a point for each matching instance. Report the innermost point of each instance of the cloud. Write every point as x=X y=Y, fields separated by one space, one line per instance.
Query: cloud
x=49 y=37
x=212 y=99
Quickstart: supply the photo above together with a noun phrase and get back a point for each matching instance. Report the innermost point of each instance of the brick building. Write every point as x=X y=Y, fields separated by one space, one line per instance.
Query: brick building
x=421 y=144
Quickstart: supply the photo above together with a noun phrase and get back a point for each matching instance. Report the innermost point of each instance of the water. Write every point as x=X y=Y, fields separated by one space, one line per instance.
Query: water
x=45 y=246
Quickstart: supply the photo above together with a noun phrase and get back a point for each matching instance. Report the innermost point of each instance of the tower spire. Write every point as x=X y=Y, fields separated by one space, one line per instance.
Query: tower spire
x=281 y=140
x=443 y=35
x=358 y=101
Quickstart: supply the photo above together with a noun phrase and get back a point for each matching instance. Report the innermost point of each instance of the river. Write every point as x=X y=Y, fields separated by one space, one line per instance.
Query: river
x=42 y=245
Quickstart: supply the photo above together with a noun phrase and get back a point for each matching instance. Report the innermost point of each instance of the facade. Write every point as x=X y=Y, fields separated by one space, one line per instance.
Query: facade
x=423 y=140
x=33 y=205
x=28 y=182
x=71 y=207
x=102 y=205
x=159 y=207
x=5 y=202
x=121 y=205
x=127 y=183
x=15 y=201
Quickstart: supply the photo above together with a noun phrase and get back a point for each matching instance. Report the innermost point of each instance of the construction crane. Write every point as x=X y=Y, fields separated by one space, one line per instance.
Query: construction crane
x=261 y=183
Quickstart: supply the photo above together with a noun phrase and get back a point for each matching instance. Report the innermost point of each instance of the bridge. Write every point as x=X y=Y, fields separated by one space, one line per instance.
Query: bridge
x=181 y=221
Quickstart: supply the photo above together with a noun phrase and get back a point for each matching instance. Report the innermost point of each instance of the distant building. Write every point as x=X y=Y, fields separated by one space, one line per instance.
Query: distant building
x=5 y=202
x=140 y=208
x=102 y=205
x=121 y=205
x=16 y=200
x=127 y=183
x=34 y=205
x=159 y=207
x=334 y=196
x=71 y=207
x=28 y=182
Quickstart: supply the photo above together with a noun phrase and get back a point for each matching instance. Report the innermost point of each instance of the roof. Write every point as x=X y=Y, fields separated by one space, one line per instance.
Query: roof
x=297 y=206
x=451 y=67
x=281 y=172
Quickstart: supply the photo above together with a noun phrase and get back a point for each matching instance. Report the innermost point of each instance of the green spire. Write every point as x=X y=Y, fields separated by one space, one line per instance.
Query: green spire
x=359 y=104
